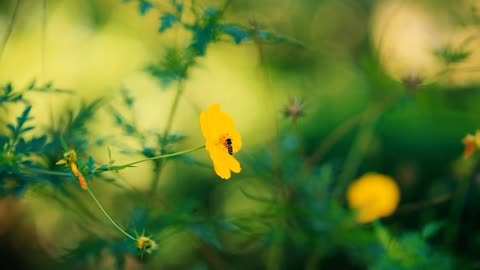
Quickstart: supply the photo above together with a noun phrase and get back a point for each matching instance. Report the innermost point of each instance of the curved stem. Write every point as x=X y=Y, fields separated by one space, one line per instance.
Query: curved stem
x=108 y=216
x=9 y=30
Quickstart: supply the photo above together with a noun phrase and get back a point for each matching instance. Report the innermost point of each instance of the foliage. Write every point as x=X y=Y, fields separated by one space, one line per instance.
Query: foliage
x=287 y=207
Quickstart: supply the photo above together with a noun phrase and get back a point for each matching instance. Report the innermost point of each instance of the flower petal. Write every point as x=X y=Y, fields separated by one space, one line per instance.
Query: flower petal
x=222 y=171
x=233 y=164
x=236 y=139
x=204 y=124
x=216 y=127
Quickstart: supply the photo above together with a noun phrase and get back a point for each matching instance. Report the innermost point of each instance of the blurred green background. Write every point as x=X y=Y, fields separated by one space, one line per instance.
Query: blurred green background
x=412 y=66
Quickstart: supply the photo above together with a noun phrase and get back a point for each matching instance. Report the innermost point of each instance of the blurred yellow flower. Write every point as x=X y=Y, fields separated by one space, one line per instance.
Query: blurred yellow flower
x=472 y=143
x=145 y=244
x=222 y=140
x=70 y=157
x=373 y=196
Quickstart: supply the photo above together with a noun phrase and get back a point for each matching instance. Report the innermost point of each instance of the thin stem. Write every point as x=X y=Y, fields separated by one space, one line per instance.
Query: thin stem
x=173 y=111
x=362 y=142
x=113 y=168
x=108 y=216
x=9 y=29
x=356 y=155
x=44 y=36
x=226 y=5
x=42 y=171
x=334 y=137
x=119 y=167
x=456 y=211
x=164 y=140
x=410 y=207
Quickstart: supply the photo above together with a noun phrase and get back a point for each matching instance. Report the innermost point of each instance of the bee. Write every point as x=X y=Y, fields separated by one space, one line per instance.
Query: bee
x=229 y=146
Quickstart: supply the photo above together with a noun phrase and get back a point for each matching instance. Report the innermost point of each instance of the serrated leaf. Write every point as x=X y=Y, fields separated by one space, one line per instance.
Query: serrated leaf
x=35 y=145
x=168 y=20
x=173 y=67
x=205 y=31
x=202 y=37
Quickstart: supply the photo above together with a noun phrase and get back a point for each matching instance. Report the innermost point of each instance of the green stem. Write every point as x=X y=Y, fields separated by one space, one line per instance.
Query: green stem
x=108 y=216
x=9 y=30
x=362 y=142
x=168 y=127
x=355 y=156
x=456 y=211
x=172 y=113
x=226 y=5
x=120 y=167
x=42 y=171
x=114 y=168
x=44 y=37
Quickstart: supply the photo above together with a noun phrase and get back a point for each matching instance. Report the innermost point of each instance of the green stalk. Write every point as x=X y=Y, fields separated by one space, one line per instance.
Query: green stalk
x=9 y=29
x=168 y=127
x=42 y=171
x=108 y=216
x=121 y=167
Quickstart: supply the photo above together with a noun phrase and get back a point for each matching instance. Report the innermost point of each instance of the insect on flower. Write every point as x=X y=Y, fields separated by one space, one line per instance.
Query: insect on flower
x=222 y=140
x=229 y=146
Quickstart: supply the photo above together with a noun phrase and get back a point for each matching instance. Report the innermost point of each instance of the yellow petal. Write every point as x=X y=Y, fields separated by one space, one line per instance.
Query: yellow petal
x=236 y=139
x=233 y=164
x=373 y=196
x=204 y=124
x=61 y=162
x=222 y=171
x=215 y=125
x=221 y=122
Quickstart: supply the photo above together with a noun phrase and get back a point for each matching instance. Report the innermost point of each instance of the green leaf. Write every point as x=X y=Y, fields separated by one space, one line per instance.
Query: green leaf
x=206 y=30
x=432 y=228
x=450 y=55
x=173 y=67
x=168 y=20
x=21 y=120
x=145 y=7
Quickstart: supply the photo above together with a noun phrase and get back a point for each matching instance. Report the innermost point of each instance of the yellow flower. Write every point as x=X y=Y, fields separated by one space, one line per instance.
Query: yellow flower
x=70 y=157
x=472 y=143
x=373 y=196
x=145 y=244
x=222 y=140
